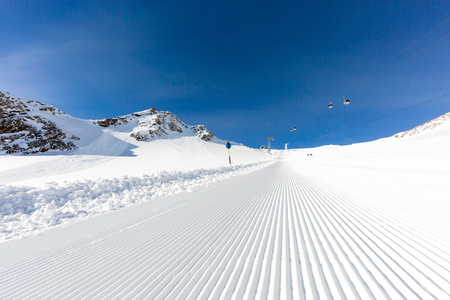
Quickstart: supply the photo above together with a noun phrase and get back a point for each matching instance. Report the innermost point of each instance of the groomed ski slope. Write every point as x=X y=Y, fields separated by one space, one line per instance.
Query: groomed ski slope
x=54 y=189
x=282 y=232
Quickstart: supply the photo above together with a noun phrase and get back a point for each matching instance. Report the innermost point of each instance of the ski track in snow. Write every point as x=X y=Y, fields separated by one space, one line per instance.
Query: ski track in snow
x=272 y=234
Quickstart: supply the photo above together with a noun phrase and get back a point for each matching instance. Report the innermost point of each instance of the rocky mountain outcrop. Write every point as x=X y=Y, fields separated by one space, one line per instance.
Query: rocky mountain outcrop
x=149 y=124
x=430 y=125
x=28 y=126
x=25 y=127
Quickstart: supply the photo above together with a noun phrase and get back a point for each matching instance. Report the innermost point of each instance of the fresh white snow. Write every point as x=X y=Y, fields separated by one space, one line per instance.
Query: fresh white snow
x=365 y=221
x=42 y=191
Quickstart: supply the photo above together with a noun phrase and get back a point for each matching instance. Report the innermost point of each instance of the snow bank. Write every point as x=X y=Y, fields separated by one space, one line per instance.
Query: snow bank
x=29 y=210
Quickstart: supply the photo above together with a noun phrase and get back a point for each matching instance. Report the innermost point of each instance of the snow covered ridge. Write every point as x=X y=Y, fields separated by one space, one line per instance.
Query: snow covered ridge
x=28 y=210
x=25 y=127
x=430 y=125
x=28 y=126
x=151 y=123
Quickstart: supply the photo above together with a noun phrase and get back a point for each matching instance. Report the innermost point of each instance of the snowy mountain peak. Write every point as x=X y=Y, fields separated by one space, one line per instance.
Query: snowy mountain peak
x=148 y=124
x=427 y=127
x=11 y=104
x=28 y=126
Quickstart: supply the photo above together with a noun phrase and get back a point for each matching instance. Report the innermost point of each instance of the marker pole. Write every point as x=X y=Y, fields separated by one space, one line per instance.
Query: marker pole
x=228 y=145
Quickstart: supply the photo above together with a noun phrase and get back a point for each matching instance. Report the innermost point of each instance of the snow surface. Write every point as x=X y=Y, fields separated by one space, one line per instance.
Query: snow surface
x=42 y=191
x=365 y=221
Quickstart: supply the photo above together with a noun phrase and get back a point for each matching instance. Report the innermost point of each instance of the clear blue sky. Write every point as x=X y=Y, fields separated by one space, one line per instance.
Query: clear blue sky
x=245 y=69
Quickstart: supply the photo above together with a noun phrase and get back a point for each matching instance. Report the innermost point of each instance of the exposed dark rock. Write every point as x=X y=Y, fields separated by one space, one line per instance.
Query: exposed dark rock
x=117 y=121
x=25 y=127
x=430 y=125
x=22 y=131
x=203 y=133
x=111 y=122
x=152 y=124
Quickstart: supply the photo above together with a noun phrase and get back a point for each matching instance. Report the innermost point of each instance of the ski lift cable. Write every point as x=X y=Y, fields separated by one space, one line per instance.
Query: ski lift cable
x=414 y=55
x=441 y=97
x=398 y=54
x=401 y=52
x=403 y=61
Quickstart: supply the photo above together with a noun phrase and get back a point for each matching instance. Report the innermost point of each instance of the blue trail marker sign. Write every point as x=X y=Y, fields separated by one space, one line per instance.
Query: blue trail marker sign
x=229 y=154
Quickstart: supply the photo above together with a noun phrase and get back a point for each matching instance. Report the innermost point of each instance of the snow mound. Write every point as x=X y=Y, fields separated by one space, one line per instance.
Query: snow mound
x=149 y=124
x=442 y=123
x=29 y=210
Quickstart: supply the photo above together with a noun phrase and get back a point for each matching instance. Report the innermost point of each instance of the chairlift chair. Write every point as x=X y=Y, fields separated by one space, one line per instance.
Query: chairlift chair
x=330 y=105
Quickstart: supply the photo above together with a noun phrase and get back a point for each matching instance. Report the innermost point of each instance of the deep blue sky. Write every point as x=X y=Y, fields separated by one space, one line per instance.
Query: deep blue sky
x=245 y=69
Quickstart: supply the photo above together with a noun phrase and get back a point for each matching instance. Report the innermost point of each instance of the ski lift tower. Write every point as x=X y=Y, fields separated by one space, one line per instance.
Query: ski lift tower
x=270 y=138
